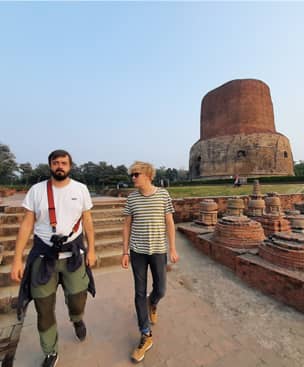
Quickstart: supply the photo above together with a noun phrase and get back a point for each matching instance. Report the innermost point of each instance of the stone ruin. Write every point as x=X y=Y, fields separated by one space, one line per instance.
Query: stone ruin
x=296 y=220
x=266 y=250
x=238 y=135
x=236 y=230
x=256 y=204
x=274 y=221
x=208 y=213
x=285 y=250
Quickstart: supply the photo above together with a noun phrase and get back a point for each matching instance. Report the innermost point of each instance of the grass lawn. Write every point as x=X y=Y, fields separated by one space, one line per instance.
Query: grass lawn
x=229 y=190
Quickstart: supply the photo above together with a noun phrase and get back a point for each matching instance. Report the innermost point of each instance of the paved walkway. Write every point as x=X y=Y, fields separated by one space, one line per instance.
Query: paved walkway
x=189 y=334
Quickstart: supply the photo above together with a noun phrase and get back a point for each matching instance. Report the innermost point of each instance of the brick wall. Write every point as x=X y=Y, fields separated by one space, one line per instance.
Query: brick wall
x=187 y=209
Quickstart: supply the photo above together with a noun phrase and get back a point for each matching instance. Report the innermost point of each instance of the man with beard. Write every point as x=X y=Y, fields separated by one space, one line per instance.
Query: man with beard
x=58 y=210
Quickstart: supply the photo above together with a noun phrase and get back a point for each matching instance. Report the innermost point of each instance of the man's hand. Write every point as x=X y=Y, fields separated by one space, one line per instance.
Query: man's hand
x=125 y=261
x=91 y=258
x=174 y=256
x=17 y=271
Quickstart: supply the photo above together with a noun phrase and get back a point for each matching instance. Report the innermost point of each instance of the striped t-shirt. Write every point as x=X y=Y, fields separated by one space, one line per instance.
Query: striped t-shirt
x=148 y=228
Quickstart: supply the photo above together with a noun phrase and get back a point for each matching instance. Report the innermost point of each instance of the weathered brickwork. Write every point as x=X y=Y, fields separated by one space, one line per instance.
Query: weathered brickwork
x=296 y=220
x=239 y=106
x=208 y=213
x=238 y=134
x=238 y=232
x=284 y=249
x=188 y=209
x=275 y=265
x=274 y=224
x=284 y=285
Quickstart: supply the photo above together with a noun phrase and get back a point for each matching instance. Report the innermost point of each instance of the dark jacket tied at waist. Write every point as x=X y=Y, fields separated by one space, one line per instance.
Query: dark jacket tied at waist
x=47 y=266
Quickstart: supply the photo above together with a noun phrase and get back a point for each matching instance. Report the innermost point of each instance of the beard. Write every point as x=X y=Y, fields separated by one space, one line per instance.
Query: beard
x=60 y=175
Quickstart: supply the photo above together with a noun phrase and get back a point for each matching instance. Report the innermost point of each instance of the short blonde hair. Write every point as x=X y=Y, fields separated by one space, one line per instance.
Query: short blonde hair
x=143 y=167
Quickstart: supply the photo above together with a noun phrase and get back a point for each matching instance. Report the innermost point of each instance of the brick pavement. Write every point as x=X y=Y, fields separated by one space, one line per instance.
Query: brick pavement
x=189 y=332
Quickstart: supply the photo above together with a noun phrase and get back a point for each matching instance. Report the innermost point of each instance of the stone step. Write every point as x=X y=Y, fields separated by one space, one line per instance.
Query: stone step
x=103 y=228
x=16 y=217
x=109 y=204
x=115 y=242
x=110 y=243
x=103 y=233
x=5 y=278
x=106 y=213
x=7 y=230
x=14 y=210
x=8 y=256
x=12 y=218
x=108 y=222
x=107 y=255
x=97 y=205
x=8 y=298
x=7 y=243
x=108 y=258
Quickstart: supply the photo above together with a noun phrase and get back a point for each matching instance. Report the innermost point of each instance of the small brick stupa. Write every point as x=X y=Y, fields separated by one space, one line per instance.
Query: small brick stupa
x=273 y=220
x=208 y=213
x=285 y=250
x=296 y=220
x=237 y=231
x=256 y=204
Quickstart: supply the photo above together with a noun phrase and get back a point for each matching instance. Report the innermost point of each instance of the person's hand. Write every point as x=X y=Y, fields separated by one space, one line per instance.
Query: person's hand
x=91 y=259
x=17 y=271
x=174 y=256
x=125 y=261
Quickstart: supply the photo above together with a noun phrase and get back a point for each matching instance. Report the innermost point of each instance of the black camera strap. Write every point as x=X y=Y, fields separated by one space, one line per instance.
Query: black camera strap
x=52 y=212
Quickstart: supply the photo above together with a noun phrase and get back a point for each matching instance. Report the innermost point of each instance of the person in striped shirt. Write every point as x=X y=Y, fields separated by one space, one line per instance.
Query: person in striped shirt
x=147 y=226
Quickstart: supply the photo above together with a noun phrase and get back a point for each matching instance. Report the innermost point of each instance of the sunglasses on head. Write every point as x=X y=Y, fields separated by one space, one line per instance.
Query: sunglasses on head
x=135 y=174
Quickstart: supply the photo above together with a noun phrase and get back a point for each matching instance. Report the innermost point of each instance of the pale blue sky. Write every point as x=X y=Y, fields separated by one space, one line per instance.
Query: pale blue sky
x=120 y=81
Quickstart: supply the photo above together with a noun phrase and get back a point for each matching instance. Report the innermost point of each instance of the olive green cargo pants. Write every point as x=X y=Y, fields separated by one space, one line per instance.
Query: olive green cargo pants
x=75 y=285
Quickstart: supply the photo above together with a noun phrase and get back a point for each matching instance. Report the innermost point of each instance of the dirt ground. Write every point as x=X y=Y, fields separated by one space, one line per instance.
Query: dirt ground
x=272 y=324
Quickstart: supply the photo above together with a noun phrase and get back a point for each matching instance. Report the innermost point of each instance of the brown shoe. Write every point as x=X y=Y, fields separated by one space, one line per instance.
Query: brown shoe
x=144 y=345
x=152 y=310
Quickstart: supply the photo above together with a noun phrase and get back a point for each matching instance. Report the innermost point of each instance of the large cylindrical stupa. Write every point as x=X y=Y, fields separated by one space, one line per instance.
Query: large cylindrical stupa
x=238 y=135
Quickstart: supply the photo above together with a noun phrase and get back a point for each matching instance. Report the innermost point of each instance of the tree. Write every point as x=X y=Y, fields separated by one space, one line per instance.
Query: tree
x=299 y=168
x=90 y=172
x=40 y=173
x=76 y=173
x=172 y=174
x=8 y=165
x=26 y=171
x=182 y=174
x=160 y=175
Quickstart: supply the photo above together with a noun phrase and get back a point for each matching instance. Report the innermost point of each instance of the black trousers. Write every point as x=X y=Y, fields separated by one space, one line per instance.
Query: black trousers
x=158 y=267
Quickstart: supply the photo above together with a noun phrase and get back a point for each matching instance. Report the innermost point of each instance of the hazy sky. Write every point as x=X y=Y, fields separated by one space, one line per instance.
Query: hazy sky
x=121 y=81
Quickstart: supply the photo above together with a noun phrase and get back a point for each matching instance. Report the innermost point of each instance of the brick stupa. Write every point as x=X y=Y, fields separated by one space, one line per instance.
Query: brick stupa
x=237 y=231
x=256 y=204
x=285 y=250
x=273 y=221
x=238 y=134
